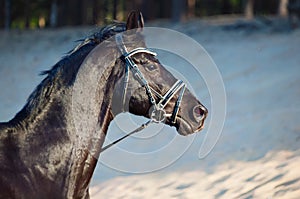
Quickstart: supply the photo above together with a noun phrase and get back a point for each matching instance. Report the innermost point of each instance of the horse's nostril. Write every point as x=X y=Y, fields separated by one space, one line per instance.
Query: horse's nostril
x=199 y=112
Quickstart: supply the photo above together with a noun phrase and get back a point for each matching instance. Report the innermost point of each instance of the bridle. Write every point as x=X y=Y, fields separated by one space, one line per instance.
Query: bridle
x=157 y=108
x=158 y=113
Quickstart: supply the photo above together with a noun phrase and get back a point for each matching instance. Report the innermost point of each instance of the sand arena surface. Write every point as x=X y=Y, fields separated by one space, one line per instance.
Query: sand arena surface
x=274 y=176
x=258 y=153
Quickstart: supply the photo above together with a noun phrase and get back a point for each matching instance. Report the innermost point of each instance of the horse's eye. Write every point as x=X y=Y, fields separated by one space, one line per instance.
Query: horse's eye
x=150 y=67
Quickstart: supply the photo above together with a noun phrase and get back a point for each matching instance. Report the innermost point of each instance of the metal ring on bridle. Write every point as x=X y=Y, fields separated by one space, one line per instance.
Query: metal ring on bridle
x=158 y=115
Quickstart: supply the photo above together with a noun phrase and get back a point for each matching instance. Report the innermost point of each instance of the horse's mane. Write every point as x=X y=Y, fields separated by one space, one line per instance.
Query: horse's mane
x=63 y=73
x=97 y=37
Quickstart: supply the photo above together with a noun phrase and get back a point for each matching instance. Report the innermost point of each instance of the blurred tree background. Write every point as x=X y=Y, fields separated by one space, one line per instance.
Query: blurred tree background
x=23 y=14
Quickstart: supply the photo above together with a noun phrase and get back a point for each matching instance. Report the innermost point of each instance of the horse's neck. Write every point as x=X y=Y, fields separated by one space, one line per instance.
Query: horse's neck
x=91 y=115
x=58 y=148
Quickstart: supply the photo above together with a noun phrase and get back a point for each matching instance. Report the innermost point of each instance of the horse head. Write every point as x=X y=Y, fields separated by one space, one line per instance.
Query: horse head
x=148 y=89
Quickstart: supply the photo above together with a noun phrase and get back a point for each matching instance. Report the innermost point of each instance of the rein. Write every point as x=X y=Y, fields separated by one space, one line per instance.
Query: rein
x=158 y=113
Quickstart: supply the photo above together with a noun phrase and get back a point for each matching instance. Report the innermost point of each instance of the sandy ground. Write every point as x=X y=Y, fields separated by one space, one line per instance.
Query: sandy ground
x=258 y=153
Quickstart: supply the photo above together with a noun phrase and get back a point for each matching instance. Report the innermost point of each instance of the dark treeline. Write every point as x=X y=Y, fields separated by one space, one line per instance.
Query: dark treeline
x=55 y=13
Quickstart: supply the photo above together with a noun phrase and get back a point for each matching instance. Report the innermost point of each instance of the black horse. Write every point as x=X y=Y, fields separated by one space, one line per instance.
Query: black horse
x=44 y=153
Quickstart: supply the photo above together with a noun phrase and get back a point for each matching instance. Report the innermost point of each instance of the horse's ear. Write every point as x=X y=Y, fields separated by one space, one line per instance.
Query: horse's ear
x=135 y=20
